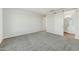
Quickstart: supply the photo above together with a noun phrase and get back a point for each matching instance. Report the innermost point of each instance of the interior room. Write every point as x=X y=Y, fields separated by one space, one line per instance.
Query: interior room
x=39 y=29
x=69 y=24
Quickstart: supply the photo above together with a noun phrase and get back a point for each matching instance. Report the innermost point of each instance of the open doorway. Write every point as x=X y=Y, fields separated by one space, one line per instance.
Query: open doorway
x=69 y=25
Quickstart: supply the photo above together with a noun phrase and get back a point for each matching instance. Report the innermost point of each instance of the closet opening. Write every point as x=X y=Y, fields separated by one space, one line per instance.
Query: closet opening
x=69 y=26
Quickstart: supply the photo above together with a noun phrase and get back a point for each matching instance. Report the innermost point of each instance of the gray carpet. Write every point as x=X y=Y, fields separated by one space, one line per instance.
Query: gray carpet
x=39 y=41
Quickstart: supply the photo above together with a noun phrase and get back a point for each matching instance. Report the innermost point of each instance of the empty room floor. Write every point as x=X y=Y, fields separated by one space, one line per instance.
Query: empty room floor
x=39 y=41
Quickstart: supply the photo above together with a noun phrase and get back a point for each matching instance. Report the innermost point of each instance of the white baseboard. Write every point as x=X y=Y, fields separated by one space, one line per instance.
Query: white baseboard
x=9 y=36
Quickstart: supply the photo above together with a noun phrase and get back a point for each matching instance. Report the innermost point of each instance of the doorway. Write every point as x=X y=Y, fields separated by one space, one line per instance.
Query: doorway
x=69 y=25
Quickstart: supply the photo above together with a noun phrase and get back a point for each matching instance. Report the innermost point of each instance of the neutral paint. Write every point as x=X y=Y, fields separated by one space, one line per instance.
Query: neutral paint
x=1 y=32
x=77 y=24
x=20 y=22
x=55 y=23
x=44 y=23
x=50 y=24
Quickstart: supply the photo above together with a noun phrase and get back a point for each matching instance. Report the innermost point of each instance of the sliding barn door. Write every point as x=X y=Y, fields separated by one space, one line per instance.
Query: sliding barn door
x=55 y=23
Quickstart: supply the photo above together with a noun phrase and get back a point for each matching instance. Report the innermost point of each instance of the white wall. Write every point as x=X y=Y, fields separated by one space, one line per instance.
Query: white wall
x=20 y=22
x=1 y=32
x=77 y=25
x=50 y=24
x=44 y=23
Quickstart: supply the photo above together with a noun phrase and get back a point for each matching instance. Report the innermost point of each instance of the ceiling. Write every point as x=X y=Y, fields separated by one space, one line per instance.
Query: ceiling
x=45 y=11
x=41 y=11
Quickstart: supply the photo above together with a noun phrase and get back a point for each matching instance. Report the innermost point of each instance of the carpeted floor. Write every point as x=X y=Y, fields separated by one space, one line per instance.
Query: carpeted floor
x=39 y=41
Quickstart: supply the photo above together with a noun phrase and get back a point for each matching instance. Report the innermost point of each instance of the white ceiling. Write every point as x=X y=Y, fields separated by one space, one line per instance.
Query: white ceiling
x=41 y=11
x=45 y=11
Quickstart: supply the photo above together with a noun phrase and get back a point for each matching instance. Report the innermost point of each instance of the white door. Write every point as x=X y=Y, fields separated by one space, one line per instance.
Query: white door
x=55 y=23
